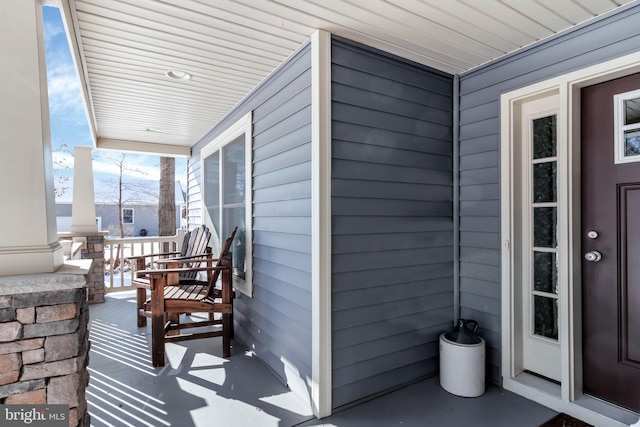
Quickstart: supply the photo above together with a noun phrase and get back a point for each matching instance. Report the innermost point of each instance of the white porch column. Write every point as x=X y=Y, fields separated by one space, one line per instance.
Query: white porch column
x=83 y=216
x=28 y=240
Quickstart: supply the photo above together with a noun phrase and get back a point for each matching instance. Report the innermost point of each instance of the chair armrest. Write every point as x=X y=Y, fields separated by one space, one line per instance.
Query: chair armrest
x=200 y=257
x=136 y=257
x=169 y=276
x=164 y=271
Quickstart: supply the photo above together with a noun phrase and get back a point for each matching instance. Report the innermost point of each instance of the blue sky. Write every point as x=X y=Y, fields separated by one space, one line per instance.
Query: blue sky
x=69 y=125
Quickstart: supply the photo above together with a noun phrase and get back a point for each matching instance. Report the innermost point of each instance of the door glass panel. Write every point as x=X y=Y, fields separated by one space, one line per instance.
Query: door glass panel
x=544 y=137
x=627 y=127
x=545 y=317
x=544 y=182
x=632 y=111
x=545 y=272
x=631 y=143
x=544 y=227
x=543 y=286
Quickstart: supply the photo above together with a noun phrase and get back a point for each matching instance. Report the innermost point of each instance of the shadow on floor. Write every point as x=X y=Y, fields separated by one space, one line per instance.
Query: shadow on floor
x=198 y=387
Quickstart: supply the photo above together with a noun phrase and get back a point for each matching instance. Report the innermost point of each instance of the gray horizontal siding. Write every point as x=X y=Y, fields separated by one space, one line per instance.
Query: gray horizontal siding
x=276 y=322
x=392 y=240
x=145 y=217
x=63 y=209
x=612 y=36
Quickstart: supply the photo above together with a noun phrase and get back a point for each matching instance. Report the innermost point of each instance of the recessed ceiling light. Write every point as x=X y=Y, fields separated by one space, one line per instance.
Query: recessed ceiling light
x=178 y=75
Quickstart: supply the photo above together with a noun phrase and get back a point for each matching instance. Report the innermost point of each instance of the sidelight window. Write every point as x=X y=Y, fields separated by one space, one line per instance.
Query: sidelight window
x=544 y=224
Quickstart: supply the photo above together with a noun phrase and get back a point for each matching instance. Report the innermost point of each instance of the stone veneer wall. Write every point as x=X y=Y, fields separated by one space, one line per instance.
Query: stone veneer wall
x=44 y=341
x=95 y=278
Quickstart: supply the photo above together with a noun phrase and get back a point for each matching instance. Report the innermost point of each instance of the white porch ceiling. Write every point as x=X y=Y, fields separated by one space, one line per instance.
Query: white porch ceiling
x=124 y=48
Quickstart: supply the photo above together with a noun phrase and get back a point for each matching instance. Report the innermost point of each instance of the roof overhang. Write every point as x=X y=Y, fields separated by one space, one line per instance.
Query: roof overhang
x=123 y=51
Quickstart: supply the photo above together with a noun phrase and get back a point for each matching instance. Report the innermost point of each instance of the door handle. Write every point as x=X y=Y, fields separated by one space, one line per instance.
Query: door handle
x=593 y=256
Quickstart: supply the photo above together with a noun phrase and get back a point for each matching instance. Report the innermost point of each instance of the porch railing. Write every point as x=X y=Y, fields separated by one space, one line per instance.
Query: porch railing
x=118 y=272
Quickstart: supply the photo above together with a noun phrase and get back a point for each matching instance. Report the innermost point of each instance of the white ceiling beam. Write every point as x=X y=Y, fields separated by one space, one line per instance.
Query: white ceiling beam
x=143 y=147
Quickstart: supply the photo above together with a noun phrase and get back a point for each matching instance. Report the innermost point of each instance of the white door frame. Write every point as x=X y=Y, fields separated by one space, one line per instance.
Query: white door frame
x=568 y=396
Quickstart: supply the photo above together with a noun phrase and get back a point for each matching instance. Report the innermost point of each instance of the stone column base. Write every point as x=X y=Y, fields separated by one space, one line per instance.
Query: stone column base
x=44 y=341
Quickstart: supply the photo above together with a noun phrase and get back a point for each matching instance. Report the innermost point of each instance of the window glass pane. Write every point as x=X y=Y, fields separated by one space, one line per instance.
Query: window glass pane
x=545 y=272
x=212 y=189
x=127 y=216
x=545 y=317
x=544 y=137
x=631 y=143
x=233 y=170
x=235 y=217
x=632 y=111
x=544 y=227
x=544 y=182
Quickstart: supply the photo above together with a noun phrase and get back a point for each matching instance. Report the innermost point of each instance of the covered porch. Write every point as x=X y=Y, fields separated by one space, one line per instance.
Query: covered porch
x=371 y=186
x=198 y=387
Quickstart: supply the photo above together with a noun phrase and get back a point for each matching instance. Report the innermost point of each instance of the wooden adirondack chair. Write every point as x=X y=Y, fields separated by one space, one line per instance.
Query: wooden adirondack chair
x=194 y=245
x=171 y=296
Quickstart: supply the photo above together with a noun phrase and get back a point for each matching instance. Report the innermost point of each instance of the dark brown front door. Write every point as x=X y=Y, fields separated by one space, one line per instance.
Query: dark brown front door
x=611 y=285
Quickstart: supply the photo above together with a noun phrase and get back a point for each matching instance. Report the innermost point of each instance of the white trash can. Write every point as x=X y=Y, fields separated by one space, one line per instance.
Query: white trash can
x=462 y=360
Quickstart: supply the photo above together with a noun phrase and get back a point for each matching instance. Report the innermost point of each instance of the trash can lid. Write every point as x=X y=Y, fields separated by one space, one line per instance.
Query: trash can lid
x=464 y=332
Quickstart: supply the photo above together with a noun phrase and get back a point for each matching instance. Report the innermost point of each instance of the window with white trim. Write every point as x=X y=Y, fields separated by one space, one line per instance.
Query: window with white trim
x=127 y=215
x=226 y=185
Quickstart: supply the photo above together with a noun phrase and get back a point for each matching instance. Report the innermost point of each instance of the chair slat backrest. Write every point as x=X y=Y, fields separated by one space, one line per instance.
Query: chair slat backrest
x=195 y=243
x=223 y=252
x=185 y=243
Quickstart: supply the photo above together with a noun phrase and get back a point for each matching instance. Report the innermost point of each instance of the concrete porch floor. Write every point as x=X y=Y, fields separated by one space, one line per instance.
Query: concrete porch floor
x=197 y=387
